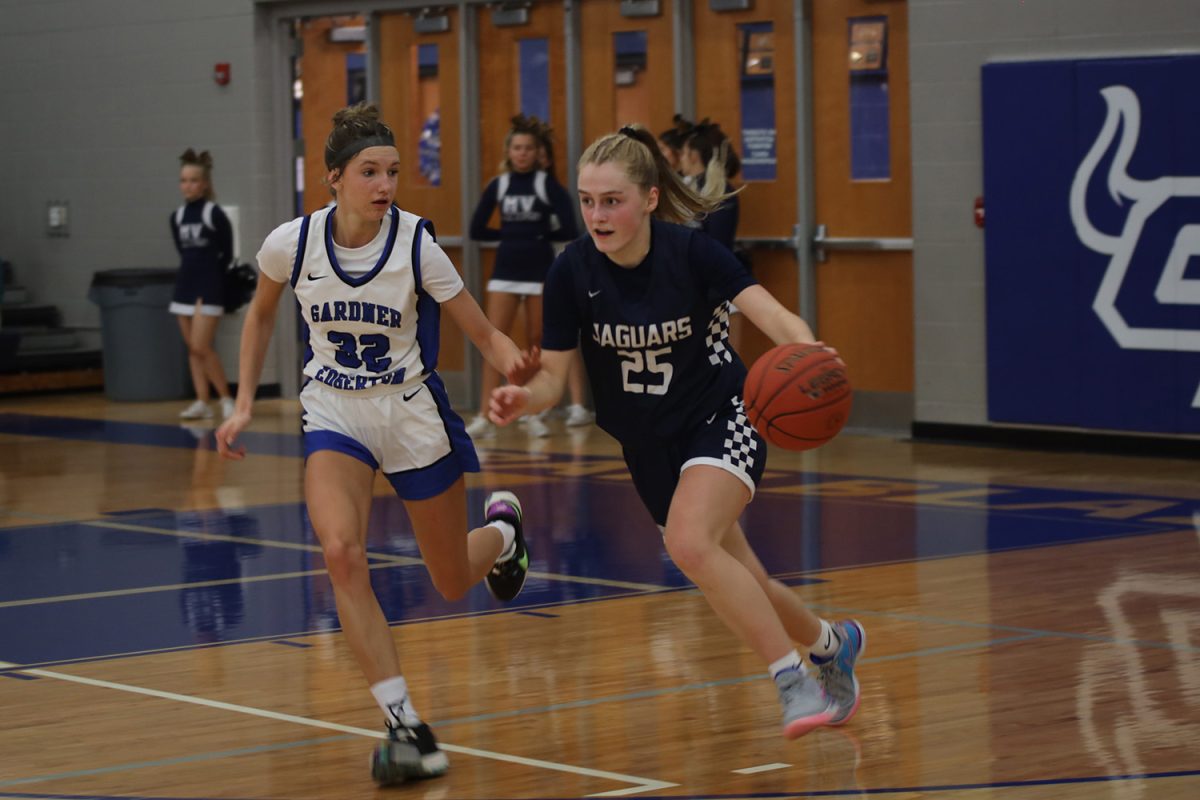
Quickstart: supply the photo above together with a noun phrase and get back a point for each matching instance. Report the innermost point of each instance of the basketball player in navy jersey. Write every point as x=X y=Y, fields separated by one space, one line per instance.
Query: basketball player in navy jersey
x=531 y=206
x=370 y=280
x=204 y=238
x=647 y=301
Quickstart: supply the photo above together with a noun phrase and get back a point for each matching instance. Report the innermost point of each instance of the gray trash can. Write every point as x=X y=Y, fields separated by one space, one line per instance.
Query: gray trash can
x=144 y=355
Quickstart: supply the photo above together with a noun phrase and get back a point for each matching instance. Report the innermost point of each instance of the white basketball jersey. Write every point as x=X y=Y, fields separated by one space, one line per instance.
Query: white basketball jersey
x=376 y=329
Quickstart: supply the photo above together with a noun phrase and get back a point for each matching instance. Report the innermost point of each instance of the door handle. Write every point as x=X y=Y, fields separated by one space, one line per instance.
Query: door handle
x=822 y=243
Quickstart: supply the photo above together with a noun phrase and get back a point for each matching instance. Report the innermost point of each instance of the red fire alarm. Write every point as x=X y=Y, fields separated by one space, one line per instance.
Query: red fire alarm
x=978 y=212
x=221 y=74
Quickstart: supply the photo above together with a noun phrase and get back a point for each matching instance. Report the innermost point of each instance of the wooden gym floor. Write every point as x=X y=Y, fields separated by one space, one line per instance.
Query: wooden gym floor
x=167 y=629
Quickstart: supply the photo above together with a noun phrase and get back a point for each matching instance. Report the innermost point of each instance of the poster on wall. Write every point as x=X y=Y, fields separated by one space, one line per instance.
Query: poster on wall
x=759 y=159
x=1092 y=186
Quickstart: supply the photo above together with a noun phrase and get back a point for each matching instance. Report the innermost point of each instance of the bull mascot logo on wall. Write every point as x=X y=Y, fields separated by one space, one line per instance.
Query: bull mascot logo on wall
x=1142 y=198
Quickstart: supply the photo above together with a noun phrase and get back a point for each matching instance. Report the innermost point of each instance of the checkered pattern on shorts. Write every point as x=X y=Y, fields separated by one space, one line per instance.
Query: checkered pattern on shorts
x=717 y=338
x=740 y=443
x=725 y=441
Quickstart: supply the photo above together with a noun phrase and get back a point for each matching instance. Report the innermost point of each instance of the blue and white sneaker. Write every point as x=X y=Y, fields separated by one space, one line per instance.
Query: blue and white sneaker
x=836 y=673
x=507 y=576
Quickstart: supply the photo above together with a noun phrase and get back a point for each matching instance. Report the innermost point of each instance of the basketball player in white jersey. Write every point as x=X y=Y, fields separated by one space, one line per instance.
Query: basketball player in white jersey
x=647 y=302
x=370 y=280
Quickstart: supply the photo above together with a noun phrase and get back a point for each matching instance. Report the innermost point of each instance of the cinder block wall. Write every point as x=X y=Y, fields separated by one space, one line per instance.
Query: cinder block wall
x=949 y=41
x=97 y=100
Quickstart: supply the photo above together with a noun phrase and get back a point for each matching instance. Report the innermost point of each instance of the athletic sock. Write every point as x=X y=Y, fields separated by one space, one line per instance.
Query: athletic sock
x=790 y=661
x=509 y=533
x=827 y=643
x=392 y=696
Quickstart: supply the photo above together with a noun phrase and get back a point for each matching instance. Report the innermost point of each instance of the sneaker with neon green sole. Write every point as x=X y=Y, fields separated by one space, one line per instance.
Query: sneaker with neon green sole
x=507 y=576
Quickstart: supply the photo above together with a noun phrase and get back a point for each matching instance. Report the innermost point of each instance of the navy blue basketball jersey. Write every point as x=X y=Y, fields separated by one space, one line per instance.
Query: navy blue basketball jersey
x=654 y=338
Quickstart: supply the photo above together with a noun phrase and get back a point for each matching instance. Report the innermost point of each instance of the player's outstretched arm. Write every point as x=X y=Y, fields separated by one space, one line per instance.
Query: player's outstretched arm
x=256 y=336
x=542 y=391
x=770 y=317
x=494 y=346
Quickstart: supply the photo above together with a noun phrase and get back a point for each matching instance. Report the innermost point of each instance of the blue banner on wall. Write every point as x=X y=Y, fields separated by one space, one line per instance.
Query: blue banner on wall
x=759 y=159
x=1092 y=185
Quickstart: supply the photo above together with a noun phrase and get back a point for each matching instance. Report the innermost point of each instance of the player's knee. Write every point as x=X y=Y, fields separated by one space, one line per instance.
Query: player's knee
x=690 y=553
x=345 y=560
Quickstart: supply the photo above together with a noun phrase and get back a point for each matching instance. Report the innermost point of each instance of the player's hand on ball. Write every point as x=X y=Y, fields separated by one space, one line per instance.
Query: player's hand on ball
x=830 y=349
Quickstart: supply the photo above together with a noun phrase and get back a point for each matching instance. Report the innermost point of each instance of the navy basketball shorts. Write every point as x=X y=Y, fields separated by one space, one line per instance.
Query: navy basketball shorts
x=409 y=433
x=725 y=440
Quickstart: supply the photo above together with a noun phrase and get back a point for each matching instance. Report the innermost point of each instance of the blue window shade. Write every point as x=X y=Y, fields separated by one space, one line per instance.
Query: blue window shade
x=427 y=60
x=870 y=133
x=630 y=46
x=534 y=56
x=870 y=140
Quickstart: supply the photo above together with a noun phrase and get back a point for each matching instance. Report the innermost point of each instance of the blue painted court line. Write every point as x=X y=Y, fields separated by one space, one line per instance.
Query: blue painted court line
x=137 y=512
x=164 y=762
x=140 y=433
x=538 y=614
x=291 y=644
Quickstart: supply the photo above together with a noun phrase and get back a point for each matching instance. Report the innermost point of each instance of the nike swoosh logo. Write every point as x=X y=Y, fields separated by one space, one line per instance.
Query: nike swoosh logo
x=316 y=277
x=710 y=419
x=408 y=397
x=593 y=294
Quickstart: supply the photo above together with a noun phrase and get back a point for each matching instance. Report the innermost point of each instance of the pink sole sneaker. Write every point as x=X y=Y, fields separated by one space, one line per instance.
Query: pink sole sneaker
x=798 y=727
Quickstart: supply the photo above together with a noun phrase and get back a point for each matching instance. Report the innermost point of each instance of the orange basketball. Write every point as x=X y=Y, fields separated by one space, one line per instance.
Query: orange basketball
x=797 y=396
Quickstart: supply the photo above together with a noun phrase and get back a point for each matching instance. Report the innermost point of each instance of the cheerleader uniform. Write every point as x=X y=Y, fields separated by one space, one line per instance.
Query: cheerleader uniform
x=204 y=238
